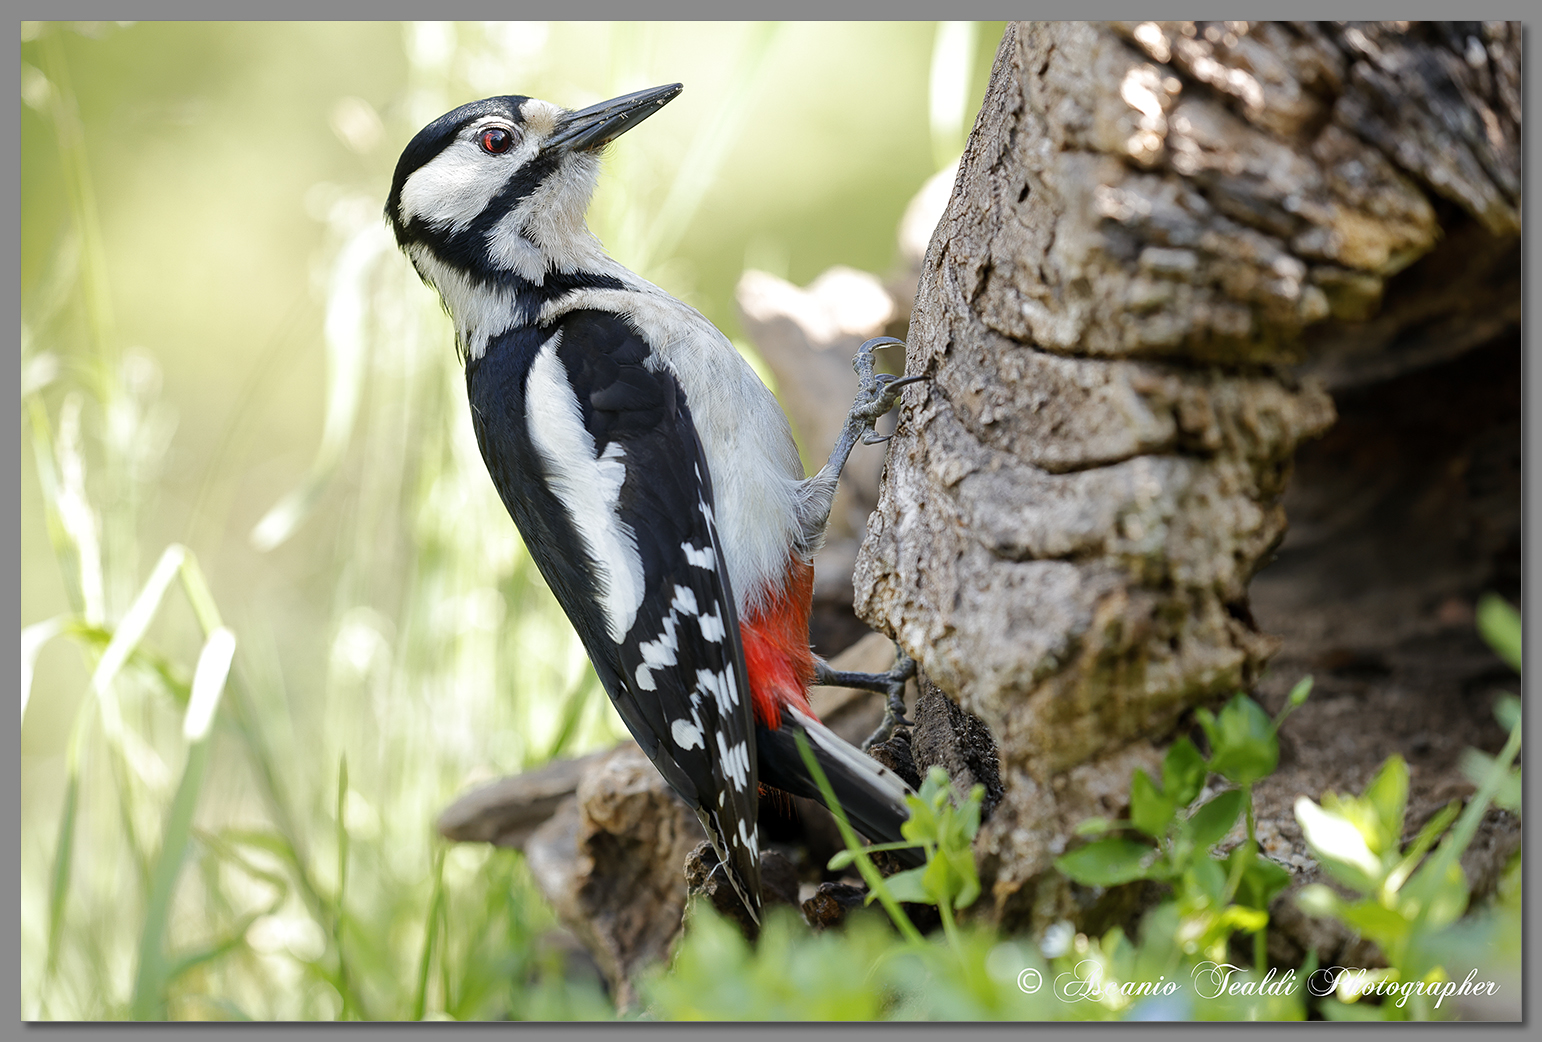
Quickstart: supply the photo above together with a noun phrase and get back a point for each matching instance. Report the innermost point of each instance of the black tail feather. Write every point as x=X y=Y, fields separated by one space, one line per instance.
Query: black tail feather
x=872 y=796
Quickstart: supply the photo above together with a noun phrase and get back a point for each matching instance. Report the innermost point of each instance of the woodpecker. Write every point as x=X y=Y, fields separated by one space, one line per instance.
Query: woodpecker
x=652 y=475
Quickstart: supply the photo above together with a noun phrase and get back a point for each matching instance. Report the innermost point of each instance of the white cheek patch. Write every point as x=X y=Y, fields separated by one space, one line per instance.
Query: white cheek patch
x=545 y=231
x=452 y=189
x=588 y=488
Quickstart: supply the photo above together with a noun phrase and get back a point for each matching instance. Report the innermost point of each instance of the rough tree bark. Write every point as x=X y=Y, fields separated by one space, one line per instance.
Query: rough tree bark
x=1167 y=243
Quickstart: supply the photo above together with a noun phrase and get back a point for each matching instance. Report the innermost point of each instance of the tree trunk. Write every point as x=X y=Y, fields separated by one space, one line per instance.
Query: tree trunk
x=1168 y=247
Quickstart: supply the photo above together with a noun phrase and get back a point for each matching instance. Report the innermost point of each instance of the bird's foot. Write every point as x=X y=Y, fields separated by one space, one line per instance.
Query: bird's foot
x=877 y=393
x=891 y=684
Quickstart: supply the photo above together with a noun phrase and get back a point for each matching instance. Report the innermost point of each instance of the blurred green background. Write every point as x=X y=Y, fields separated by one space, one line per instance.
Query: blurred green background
x=222 y=350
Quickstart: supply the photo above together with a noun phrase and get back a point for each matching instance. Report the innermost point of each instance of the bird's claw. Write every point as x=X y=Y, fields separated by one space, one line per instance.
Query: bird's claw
x=894 y=705
x=891 y=684
x=877 y=393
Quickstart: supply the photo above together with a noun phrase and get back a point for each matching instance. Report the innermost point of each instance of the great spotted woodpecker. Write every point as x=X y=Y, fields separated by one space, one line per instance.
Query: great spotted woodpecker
x=652 y=475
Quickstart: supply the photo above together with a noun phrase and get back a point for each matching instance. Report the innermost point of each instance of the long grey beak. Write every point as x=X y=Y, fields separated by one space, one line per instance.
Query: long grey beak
x=598 y=124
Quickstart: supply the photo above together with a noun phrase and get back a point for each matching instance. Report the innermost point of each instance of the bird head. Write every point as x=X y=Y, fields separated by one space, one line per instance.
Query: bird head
x=495 y=191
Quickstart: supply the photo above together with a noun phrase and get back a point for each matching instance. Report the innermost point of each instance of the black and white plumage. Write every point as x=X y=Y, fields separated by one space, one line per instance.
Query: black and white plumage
x=574 y=401
x=652 y=475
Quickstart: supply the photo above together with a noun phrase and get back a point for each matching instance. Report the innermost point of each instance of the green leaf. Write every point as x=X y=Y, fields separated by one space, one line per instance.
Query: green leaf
x=1339 y=845
x=935 y=787
x=1430 y=874
x=1445 y=900
x=1107 y=862
x=1432 y=830
x=1150 y=810
x=964 y=868
x=1240 y=917
x=1317 y=900
x=968 y=815
x=1093 y=827
x=1262 y=880
x=1210 y=823
x=1295 y=700
x=1387 y=796
x=908 y=886
x=1183 y=773
x=1376 y=921
x=1300 y=693
x=1500 y=625
x=1205 y=877
x=1354 y=1012
x=1242 y=742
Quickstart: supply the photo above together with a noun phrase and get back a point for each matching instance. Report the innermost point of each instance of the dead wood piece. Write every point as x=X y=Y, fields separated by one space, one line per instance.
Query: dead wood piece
x=831 y=903
x=704 y=878
x=946 y=736
x=507 y=811
x=609 y=862
x=896 y=755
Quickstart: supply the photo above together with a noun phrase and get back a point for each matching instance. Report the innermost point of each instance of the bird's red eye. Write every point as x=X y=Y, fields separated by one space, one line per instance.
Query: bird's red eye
x=495 y=141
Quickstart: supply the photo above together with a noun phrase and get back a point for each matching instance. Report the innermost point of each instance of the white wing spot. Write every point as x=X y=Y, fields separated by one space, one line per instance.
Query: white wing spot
x=687 y=735
x=685 y=600
x=720 y=686
x=712 y=627
x=701 y=558
x=746 y=838
x=735 y=762
x=661 y=652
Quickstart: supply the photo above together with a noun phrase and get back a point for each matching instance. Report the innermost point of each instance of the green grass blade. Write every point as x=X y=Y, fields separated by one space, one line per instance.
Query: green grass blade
x=572 y=710
x=59 y=885
x=149 y=1000
x=347 y=369
x=198 y=594
x=353 y=1005
x=1431 y=874
x=154 y=973
x=431 y=929
x=854 y=844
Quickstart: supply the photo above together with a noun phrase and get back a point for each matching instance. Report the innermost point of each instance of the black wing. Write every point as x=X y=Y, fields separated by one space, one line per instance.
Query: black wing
x=677 y=677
